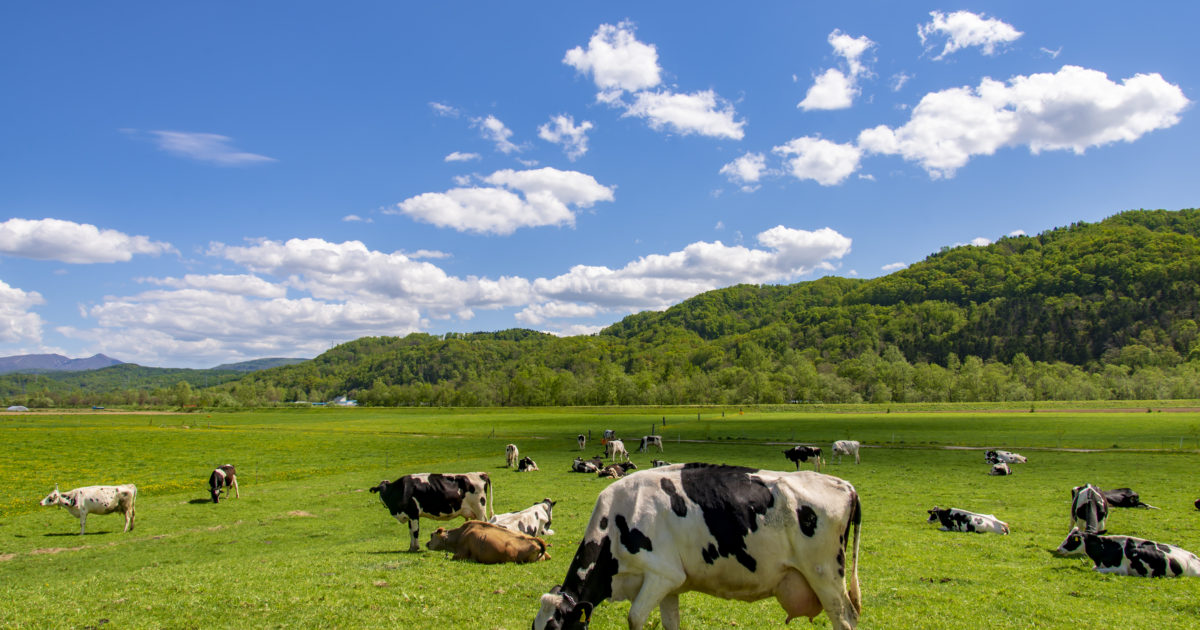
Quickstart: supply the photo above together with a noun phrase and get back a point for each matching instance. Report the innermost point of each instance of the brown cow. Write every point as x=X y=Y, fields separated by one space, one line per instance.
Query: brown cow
x=486 y=543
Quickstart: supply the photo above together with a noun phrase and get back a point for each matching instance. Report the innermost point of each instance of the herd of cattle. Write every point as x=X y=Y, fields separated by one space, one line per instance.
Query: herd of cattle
x=728 y=531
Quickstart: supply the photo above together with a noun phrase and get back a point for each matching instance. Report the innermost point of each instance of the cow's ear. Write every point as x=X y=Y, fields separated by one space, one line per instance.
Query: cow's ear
x=556 y=590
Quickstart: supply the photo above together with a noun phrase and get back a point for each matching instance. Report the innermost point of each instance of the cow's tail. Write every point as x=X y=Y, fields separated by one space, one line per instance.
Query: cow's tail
x=491 y=506
x=856 y=523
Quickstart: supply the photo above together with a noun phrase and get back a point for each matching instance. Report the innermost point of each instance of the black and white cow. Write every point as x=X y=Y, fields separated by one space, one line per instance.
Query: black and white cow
x=616 y=450
x=440 y=497
x=846 y=447
x=582 y=439
x=222 y=478
x=648 y=441
x=1125 y=498
x=956 y=520
x=1000 y=470
x=617 y=470
x=1089 y=509
x=658 y=463
x=526 y=465
x=95 y=500
x=731 y=532
x=1198 y=504
x=1003 y=457
x=592 y=465
x=609 y=434
x=799 y=454
x=532 y=521
x=1126 y=555
x=511 y=455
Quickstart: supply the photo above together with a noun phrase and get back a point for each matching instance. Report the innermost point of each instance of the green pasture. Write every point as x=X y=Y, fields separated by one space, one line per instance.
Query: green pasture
x=307 y=547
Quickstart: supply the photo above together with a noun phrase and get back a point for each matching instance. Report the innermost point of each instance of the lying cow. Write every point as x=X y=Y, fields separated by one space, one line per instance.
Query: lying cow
x=587 y=465
x=658 y=463
x=222 y=478
x=728 y=531
x=486 y=543
x=799 y=454
x=510 y=455
x=436 y=496
x=1126 y=555
x=532 y=521
x=582 y=439
x=1089 y=509
x=846 y=447
x=95 y=500
x=616 y=450
x=648 y=441
x=1003 y=457
x=956 y=520
x=1125 y=498
x=1000 y=469
x=617 y=470
x=526 y=465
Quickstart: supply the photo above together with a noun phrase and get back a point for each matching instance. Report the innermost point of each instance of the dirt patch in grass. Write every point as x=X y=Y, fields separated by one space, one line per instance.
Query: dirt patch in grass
x=301 y=514
x=7 y=556
x=53 y=550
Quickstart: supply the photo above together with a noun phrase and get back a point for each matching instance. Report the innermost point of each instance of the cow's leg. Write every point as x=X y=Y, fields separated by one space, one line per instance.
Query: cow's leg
x=655 y=589
x=237 y=493
x=414 y=531
x=82 y=522
x=669 y=609
x=835 y=600
x=857 y=459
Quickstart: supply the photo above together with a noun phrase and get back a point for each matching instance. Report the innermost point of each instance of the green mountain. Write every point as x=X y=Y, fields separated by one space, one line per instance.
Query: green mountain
x=258 y=364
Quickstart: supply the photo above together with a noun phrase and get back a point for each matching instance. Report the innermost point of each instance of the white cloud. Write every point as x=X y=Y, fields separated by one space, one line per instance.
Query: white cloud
x=894 y=266
x=492 y=129
x=1017 y=233
x=427 y=253
x=963 y=28
x=461 y=157
x=562 y=130
x=835 y=89
x=703 y=113
x=538 y=314
x=206 y=147
x=17 y=323
x=746 y=170
x=1074 y=108
x=899 y=79
x=822 y=161
x=1052 y=53
x=442 y=109
x=548 y=195
x=70 y=242
x=852 y=50
x=617 y=61
x=238 y=284
x=354 y=218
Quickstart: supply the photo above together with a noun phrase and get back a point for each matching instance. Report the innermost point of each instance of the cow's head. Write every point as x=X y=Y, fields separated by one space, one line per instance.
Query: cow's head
x=55 y=498
x=438 y=540
x=382 y=487
x=560 y=611
x=934 y=514
x=1072 y=546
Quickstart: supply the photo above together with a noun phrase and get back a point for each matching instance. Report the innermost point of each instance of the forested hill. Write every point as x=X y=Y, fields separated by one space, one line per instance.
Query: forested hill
x=1101 y=310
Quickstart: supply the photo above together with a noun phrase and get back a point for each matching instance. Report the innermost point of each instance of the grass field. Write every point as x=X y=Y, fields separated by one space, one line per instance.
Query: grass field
x=307 y=547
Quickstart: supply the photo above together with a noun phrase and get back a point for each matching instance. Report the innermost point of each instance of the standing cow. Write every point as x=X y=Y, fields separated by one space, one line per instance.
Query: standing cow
x=615 y=449
x=222 y=478
x=799 y=454
x=582 y=440
x=1089 y=509
x=648 y=441
x=846 y=447
x=511 y=455
x=96 y=500
x=728 y=531
x=436 y=496
x=609 y=434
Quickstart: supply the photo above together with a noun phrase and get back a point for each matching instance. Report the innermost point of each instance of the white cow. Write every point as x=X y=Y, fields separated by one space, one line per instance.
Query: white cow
x=846 y=447
x=956 y=520
x=616 y=449
x=648 y=441
x=532 y=521
x=727 y=531
x=96 y=500
x=511 y=455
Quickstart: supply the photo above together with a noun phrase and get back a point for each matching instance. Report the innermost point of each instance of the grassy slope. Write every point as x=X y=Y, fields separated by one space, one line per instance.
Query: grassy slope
x=307 y=547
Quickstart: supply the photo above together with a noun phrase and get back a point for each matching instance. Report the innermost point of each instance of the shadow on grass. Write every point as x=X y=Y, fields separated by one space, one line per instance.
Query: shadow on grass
x=75 y=534
x=199 y=501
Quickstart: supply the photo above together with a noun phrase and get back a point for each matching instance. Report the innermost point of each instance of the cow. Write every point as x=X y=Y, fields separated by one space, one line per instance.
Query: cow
x=532 y=521
x=1126 y=555
x=846 y=447
x=437 y=496
x=221 y=478
x=1003 y=457
x=648 y=441
x=96 y=500
x=1000 y=470
x=1197 y=504
x=510 y=455
x=616 y=471
x=609 y=434
x=486 y=543
x=526 y=465
x=727 y=531
x=658 y=463
x=616 y=450
x=587 y=465
x=1125 y=498
x=1089 y=509
x=956 y=520
x=582 y=439
x=799 y=454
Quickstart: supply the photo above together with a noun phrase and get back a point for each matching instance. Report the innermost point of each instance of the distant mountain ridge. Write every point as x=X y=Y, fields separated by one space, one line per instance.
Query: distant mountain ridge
x=54 y=363
x=259 y=364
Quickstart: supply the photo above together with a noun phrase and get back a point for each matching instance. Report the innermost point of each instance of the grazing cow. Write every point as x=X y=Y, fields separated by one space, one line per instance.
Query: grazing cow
x=1003 y=457
x=221 y=478
x=658 y=463
x=1089 y=509
x=526 y=465
x=95 y=500
x=846 y=447
x=1125 y=498
x=582 y=439
x=609 y=434
x=486 y=543
x=728 y=531
x=618 y=470
x=1000 y=470
x=1126 y=555
x=804 y=453
x=616 y=449
x=510 y=455
x=532 y=521
x=436 y=496
x=587 y=465
x=648 y=441
x=956 y=520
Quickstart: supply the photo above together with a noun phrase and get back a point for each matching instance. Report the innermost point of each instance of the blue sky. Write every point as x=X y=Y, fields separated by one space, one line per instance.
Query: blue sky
x=192 y=184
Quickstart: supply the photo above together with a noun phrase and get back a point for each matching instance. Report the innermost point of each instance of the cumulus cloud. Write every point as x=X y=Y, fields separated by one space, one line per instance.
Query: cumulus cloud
x=702 y=113
x=538 y=314
x=1073 y=109
x=17 y=322
x=1017 y=233
x=70 y=242
x=354 y=218
x=206 y=147
x=894 y=266
x=492 y=129
x=825 y=162
x=562 y=130
x=835 y=88
x=233 y=284
x=962 y=29
x=461 y=157
x=746 y=170
x=546 y=197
